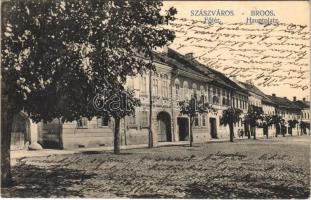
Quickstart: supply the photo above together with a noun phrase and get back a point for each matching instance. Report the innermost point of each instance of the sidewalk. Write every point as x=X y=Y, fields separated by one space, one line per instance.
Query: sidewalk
x=19 y=154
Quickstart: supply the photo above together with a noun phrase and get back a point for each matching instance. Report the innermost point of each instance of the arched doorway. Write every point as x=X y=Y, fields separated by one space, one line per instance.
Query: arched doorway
x=20 y=134
x=183 y=128
x=164 y=127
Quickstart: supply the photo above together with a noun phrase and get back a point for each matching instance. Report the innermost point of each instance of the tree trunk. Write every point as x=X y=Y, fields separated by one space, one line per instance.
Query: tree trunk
x=191 y=134
x=116 y=141
x=283 y=130
x=267 y=131
x=248 y=132
x=254 y=131
x=276 y=130
x=6 y=129
x=231 y=128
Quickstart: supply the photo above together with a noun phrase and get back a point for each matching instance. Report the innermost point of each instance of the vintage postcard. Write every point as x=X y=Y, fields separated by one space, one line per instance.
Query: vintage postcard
x=155 y=99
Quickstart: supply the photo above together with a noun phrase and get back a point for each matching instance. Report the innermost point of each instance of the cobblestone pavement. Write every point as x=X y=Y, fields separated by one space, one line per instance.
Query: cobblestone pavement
x=274 y=168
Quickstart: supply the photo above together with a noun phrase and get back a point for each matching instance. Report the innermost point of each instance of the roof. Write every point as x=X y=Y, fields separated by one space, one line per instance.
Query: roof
x=302 y=104
x=163 y=58
x=283 y=102
x=252 y=88
x=184 y=63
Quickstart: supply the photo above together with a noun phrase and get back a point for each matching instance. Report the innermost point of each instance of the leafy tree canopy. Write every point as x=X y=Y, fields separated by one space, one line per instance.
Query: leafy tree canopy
x=193 y=107
x=254 y=114
x=230 y=115
x=292 y=123
x=57 y=55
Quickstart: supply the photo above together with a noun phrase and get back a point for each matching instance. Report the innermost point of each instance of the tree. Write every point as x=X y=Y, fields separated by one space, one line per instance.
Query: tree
x=58 y=55
x=252 y=117
x=276 y=121
x=291 y=125
x=117 y=103
x=192 y=109
x=231 y=116
x=304 y=126
x=267 y=121
x=283 y=127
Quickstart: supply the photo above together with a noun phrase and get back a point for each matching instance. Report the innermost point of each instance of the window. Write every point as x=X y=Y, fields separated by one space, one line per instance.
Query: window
x=82 y=122
x=144 y=118
x=203 y=120
x=194 y=88
x=202 y=99
x=165 y=86
x=131 y=120
x=185 y=88
x=215 y=100
x=104 y=121
x=202 y=91
x=196 y=121
x=214 y=91
x=218 y=94
x=143 y=85
x=224 y=101
x=177 y=91
x=155 y=87
x=209 y=94
x=177 y=87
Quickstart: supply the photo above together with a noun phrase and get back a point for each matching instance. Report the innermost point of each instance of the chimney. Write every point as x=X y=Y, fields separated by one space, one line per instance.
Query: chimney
x=233 y=77
x=249 y=81
x=189 y=55
x=273 y=94
x=294 y=99
x=304 y=99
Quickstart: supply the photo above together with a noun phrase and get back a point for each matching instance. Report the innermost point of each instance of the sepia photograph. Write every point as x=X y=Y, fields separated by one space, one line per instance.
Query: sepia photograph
x=155 y=99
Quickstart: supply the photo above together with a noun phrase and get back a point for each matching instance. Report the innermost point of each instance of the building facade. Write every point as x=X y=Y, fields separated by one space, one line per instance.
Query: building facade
x=177 y=78
x=289 y=111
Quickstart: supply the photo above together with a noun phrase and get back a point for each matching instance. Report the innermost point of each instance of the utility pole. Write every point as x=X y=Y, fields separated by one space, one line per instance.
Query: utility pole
x=150 y=144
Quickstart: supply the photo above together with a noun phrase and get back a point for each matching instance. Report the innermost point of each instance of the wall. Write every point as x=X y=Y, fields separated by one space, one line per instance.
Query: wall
x=92 y=136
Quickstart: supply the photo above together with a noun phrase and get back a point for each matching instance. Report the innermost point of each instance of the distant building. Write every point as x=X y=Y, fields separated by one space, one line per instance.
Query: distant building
x=305 y=115
x=288 y=110
x=259 y=99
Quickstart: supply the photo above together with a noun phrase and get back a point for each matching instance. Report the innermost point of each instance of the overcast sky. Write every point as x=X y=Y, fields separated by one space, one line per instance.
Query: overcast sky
x=286 y=12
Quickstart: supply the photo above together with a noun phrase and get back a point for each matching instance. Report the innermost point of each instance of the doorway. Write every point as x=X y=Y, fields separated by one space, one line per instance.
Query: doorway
x=20 y=132
x=183 y=128
x=213 y=127
x=164 y=125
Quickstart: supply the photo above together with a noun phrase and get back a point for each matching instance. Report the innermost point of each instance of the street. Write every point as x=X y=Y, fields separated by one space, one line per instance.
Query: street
x=265 y=168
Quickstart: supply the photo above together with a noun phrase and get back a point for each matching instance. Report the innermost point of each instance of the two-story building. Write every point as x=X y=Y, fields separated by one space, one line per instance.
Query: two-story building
x=177 y=78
